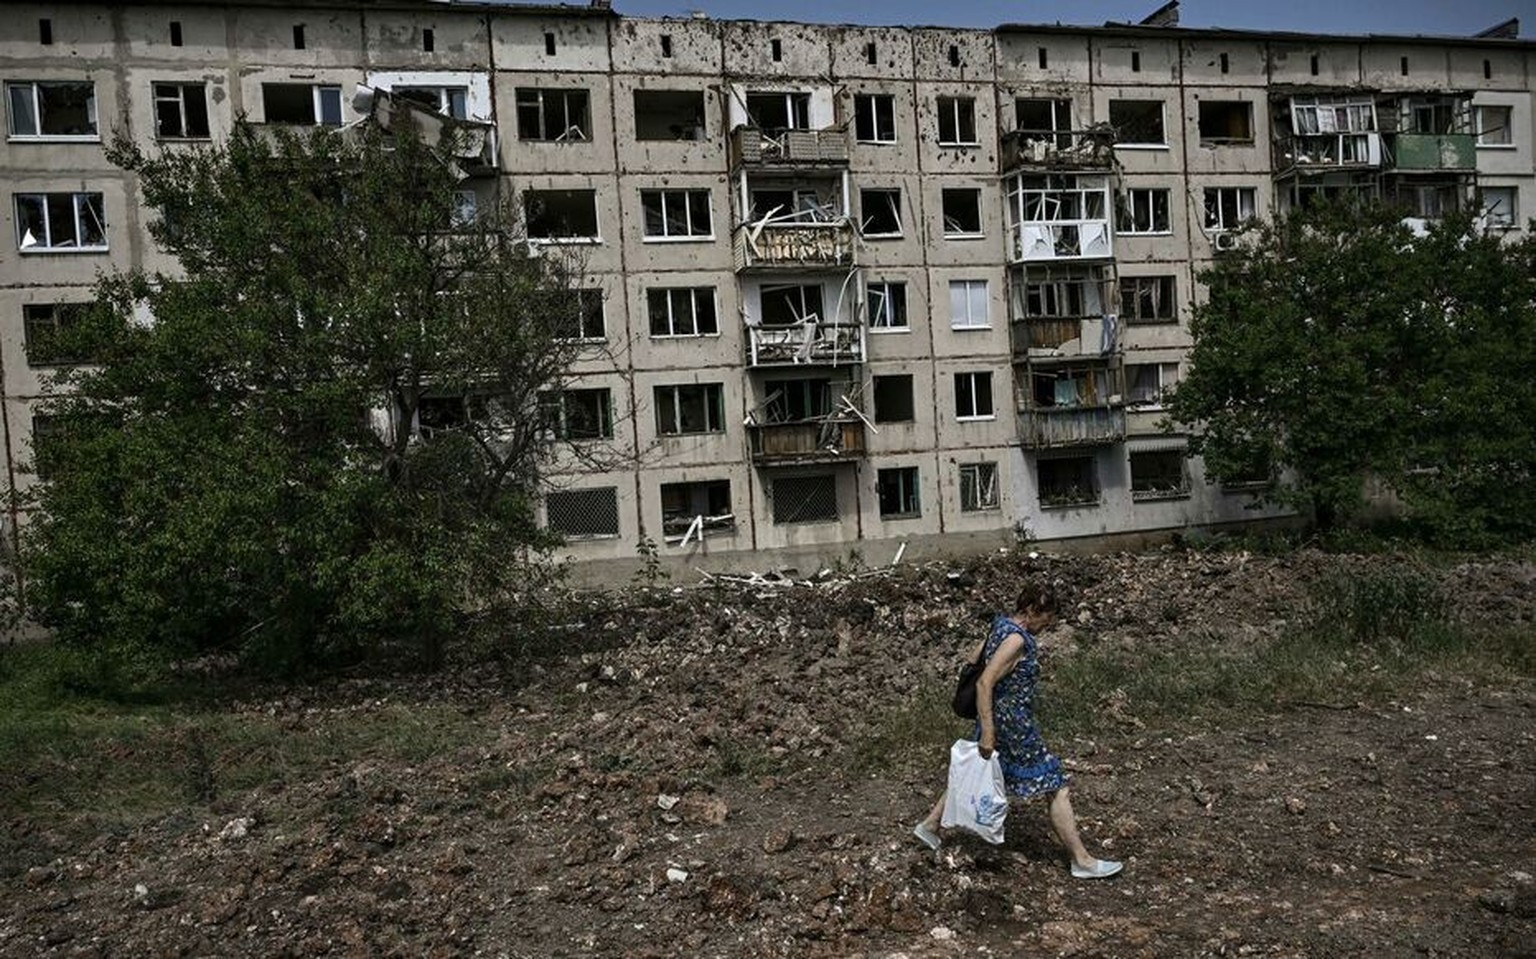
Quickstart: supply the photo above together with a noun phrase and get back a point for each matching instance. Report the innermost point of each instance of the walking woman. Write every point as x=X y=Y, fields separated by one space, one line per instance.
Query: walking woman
x=1005 y=695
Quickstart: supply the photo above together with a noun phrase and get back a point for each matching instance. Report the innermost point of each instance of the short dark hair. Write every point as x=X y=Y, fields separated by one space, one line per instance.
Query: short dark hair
x=1036 y=596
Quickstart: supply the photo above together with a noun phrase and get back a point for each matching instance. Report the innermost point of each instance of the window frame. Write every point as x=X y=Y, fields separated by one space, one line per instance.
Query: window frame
x=555 y=407
x=974 y=378
x=1093 y=485
x=945 y=193
x=713 y=405
x=449 y=96
x=1125 y=224
x=1166 y=381
x=973 y=477
x=830 y=479
x=908 y=492
x=575 y=239
x=970 y=287
x=886 y=192
x=1510 y=221
x=874 y=118
x=538 y=101
x=695 y=295
x=319 y=94
x=1183 y=490
x=1508 y=129
x=1251 y=194
x=688 y=196
x=39 y=246
x=584 y=298
x=1167 y=290
x=181 y=87
x=58 y=316
x=958 y=106
x=893 y=301
x=35 y=105
x=1162 y=125
x=1224 y=141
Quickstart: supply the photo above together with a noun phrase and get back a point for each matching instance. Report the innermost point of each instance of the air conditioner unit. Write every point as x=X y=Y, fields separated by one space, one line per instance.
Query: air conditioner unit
x=1225 y=241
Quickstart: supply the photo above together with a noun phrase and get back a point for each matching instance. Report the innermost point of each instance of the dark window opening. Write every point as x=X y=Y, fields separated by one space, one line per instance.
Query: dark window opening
x=973 y=395
x=978 y=487
x=666 y=45
x=1044 y=57
x=870 y=56
x=181 y=111
x=175 y=33
x=796 y=401
x=1137 y=121
x=791 y=305
x=898 y=492
x=1068 y=482
x=682 y=311
x=894 y=402
x=688 y=409
x=778 y=50
x=669 y=115
x=1045 y=119
x=1225 y=63
x=1135 y=61
x=957 y=121
x=962 y=212
x=874 y=118
x=583 y=514
x=954 y=55
x=558 y=116
x=805 y=499
x=704 y=506
x=1069 y=388
x=773 y=113
x=1487 y=69
x=880 y=212
x=428 y=40
x=887 y=301
x=45 y=32
x=301 y=104
x=47 y=329
x=1158 y=474
x=1403 y=65
x=298 y=36
x=1148 y=299
x=577 y=414
x=1314 y=64
x=549 y=44
x=579 y=314
x=52 y=109
x=1226 y=121
x=676 y=213
x=560 y=214
x=1144 y=211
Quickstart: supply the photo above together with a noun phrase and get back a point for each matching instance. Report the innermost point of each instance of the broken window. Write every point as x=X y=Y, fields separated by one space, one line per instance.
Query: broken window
x=1225 y=121
x=1313 y=115
x=1493 y=127
x=887 y=305
x=676 y=214
x=577 y=414
x=973 y=395
x=1148 y=383
x=60 y=221
x=1499 y=208
x=301 y=104
x=560 y=214
x=1158 y=474
x=43 y=326
x=1430 y=201
x=1069 y=387
x=1148 y=299
x=1229 y=207
x=968 y=306
x=1435 y=115
x=181 y=111
x=558 y=116
x=790 y=305
x=583 y=514
x=962 y=212
x=669 y=115
x=693 y=510
x=805 y=499
x=52 y=109
x=1060 y=299
x=795 y=401
x=880 y=212
x=978 y=487
x=579 y=315
x=1041 y=118
x=449 y=101
x=690 y=408
x=773 y=113
x=682 y=311
x=957 y=121
x=874 y=118
x=801 y=204
x=1137 y=122
x=894 y=399
x=1067 y=481
x=1145 y=212
x=897 y=490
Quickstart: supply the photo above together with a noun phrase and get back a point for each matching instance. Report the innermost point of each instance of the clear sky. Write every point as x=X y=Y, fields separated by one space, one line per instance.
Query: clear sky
x=1437 y=17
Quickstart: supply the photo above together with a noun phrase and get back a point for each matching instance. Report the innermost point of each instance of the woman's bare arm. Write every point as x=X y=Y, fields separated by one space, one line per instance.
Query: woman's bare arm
x=1003 y=660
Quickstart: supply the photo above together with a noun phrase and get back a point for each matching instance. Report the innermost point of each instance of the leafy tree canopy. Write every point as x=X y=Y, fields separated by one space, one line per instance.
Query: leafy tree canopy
x=1338 y=346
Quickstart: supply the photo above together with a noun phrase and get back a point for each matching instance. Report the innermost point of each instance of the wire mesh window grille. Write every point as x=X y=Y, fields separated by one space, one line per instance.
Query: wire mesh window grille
x=805 y=499
x=583 y=513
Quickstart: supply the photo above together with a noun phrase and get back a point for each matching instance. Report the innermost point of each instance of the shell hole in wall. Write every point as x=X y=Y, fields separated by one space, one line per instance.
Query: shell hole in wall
x=175 y=33
x=45 y=32
x=428 y=40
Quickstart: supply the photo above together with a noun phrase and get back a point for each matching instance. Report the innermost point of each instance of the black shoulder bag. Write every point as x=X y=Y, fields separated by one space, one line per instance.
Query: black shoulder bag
x=964 y=703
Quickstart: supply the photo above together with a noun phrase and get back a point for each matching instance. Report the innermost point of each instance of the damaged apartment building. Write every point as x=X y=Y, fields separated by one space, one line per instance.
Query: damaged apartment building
x=870 y=289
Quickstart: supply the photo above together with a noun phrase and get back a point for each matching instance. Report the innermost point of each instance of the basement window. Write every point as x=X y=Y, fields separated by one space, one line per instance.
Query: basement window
x=557 y=116
x=1068 y=481
x=181 y=111
x=694 y=510
x=669 y=115
x=301 y=104
x=561 y=215
x=894 y=399
x=1158 y=474
x=897 y=490
x=583 y=514
x=804 y=499
x=1225 y=122
x=1137 y=122
x=44 y=110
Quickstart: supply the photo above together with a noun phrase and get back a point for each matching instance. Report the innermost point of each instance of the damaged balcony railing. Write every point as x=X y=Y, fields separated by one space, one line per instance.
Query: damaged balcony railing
x=1050 y=427
x=1091 y=149
x=766 y=244
x=826 y=439
x=751 y=146
x=811 y=342
x=1074 y=336
x=1328 y=151
x=1432 y=152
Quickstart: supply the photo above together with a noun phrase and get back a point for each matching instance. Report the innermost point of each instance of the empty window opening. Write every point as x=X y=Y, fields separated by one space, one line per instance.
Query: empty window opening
x=1227 y=208
x=449 y=101
x=1225 y=63
x=301 y=104
x=962 y=212
x=777 y=48
x=1069 y=481
x=790 y=305
x=40 y=109
x=897 y=490
x=1137 y=121
x=1043 y=57
x=1048 y=120
x=968 y=305
x=583 y=514
x=298 y=36
x=1135 y=61
x=666 y=45
x=797 y=401
x=175 y=33
x=1158 y=474
x=773 y=113
x=1403 y=65
x=954 y=55
x=1438 y=115
x=560 y=214
x=579 y=314
x=555 y=116
x=880 y=212
x=60 y=221
x=894 y=402
x=549 y=44
x=577 y=414
x=181 y=111
x=805 y=499
x=690 y=408
x=694 y=510
x=46 y=328
x=978 y=487
x=1145 y=211
x=870 y=54
x=671 y=214
x=874 y=118
x=1148 y=383
x=682 y=311
x=45 y=32
x=1314 y=64
x=1148 y=299
x=669 y=115
x=957 y=121
x=887 y=305
x=973 y=396
x=1225 y=121
x=800 y=205
x=428 y=40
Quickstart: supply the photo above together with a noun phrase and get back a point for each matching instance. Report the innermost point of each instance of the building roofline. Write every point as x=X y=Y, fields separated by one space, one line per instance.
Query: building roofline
x=364 y=6
x=1116 y=29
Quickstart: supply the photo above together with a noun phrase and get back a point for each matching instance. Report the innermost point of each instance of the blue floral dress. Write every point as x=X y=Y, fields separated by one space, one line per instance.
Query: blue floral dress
x=1029 y=769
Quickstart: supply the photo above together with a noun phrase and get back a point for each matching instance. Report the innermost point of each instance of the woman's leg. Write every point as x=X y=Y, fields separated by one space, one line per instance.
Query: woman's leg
x=933 y=818
x=927 y=831
x=1064 y=822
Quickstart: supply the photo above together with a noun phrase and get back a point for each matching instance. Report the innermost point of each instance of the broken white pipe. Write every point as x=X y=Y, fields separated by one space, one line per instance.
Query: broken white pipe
x=900 y=552
x=697 y=526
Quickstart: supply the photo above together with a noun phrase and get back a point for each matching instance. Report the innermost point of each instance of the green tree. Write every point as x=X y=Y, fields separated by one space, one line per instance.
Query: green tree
x=329 y=437
x=1336 y=345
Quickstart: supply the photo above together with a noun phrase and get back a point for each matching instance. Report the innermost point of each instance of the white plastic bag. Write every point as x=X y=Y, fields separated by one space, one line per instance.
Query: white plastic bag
x=977 y=799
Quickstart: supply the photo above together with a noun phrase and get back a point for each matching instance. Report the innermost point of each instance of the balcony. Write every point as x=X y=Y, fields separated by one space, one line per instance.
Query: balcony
x=1316 y=153
x=811 y=343
x=752 y=147
x=828 y=440
x=1058 y=217
x=1433 y=152
x=1046 y=338
x=1068 y=426
x=1059 y=149
x=794 y=246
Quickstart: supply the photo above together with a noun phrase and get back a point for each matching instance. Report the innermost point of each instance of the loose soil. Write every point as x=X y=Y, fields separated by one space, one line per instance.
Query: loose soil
x=721 y=771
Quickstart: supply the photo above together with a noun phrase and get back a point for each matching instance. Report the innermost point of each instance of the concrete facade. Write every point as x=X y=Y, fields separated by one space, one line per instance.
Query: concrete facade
x=931 y=399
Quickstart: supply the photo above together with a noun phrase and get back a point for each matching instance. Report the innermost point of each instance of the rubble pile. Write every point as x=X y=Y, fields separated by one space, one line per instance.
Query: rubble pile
x=684 y=780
